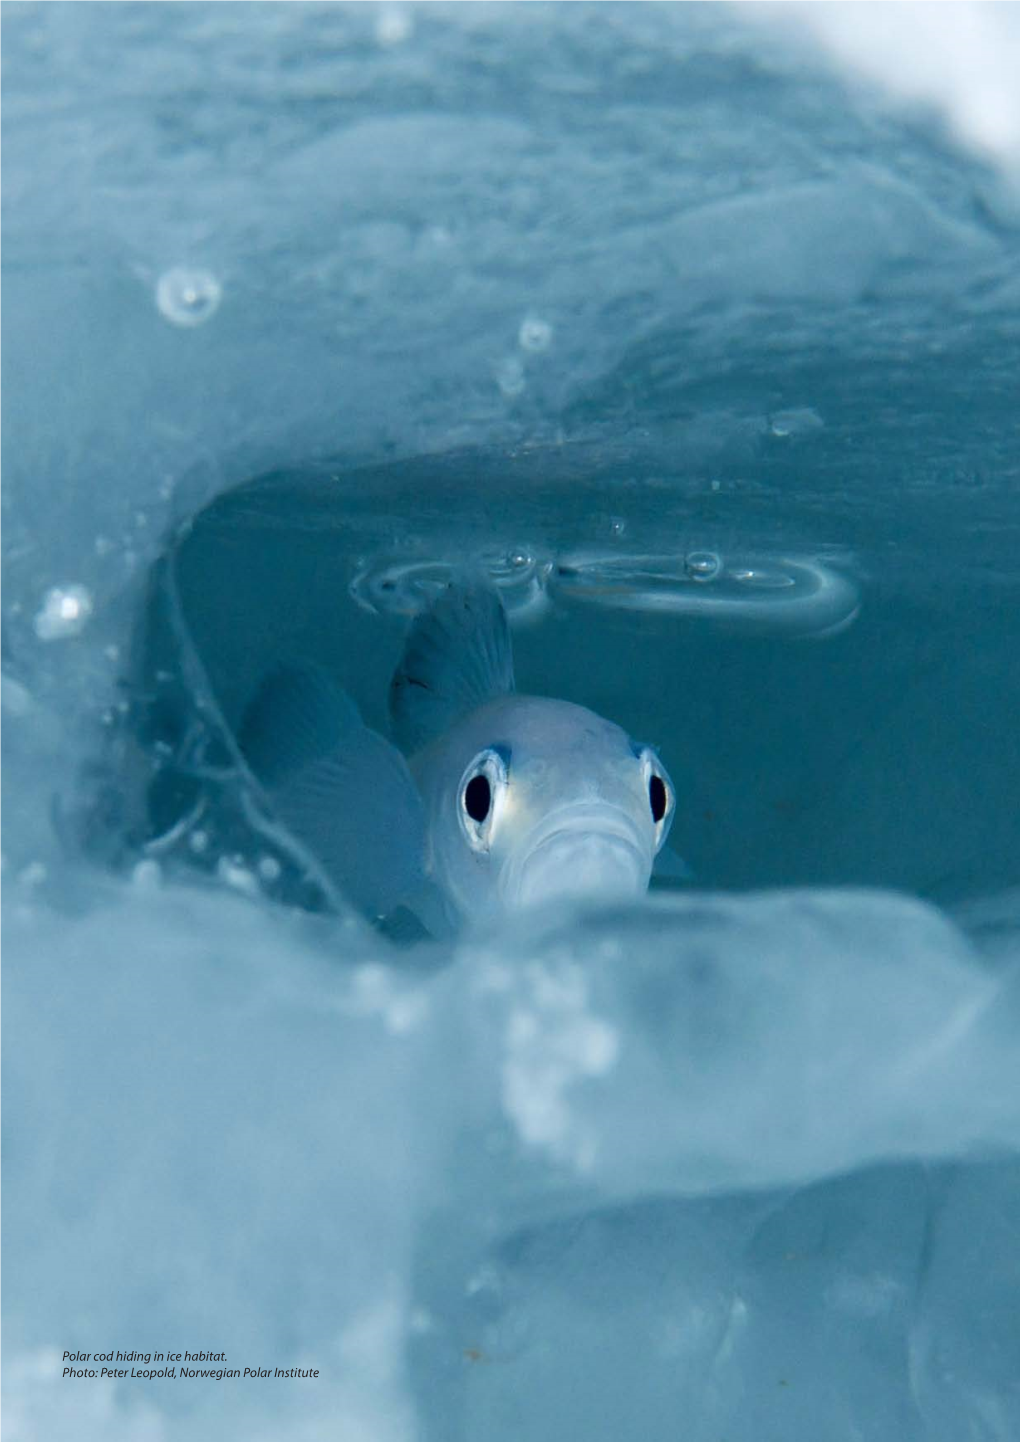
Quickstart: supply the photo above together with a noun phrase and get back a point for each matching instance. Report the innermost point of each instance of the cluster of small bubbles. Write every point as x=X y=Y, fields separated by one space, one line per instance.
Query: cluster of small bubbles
x=510 y=377
x=393 y=25
x=65 y=611
x=188 y=297
x=199 y=842
x=232 y=871
x=535 y=335
x=702 y=565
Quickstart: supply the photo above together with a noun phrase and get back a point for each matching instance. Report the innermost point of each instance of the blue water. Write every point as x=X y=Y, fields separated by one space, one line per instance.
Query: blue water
x=698 y=326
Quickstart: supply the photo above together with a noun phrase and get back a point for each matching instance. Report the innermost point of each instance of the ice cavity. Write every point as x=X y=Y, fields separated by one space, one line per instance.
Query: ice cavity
x=306 y=1153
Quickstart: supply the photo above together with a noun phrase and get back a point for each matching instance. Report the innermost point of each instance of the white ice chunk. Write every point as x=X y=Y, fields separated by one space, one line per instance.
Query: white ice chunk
x=960 y=59
x=212 y=1144
x=713 y=1042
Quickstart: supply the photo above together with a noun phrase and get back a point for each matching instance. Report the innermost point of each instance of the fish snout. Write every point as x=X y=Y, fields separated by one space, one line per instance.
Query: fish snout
x=579 y=852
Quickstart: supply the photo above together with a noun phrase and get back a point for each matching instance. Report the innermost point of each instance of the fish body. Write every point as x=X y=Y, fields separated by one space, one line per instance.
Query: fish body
x=568 y=811
x=489 y=803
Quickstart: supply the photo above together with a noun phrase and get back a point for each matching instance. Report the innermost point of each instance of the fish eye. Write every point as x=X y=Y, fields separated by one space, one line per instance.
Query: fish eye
x=480 y=796
x=659 y=790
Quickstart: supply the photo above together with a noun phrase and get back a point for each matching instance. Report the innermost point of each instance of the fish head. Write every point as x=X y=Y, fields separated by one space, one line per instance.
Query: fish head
x=533 y=800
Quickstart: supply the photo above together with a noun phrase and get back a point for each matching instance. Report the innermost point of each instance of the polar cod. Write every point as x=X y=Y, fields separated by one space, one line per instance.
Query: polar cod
x=487 y=803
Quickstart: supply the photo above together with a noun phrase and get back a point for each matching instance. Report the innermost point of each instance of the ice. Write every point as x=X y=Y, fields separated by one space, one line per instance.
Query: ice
x=713 y=1144
x=719 y=1102
x=192 y=1088
x=700 y=289
x=762 y=1041
x=959 y=59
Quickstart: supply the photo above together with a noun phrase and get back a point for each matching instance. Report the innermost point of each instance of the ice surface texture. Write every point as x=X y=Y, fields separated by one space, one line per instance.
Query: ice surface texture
x=733 y=1167
x=216 y=1135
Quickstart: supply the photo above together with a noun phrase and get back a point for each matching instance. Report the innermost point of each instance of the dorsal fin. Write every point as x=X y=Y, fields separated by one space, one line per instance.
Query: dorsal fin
x=341 y=792
x=456 y=658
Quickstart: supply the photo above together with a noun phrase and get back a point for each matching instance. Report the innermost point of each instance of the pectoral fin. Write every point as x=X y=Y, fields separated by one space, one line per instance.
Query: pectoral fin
x=669 y=866
x=457 y=657
x=340 y=791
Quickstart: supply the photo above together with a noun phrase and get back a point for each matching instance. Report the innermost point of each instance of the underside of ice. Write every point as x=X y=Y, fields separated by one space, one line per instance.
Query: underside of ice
x=702 y=1152
x=699 y=328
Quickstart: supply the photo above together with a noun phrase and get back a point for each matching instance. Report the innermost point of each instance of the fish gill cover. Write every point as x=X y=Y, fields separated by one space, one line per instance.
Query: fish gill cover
x=696 y=329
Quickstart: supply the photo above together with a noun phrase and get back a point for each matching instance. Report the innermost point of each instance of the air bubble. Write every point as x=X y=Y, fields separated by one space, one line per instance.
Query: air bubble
x=232 y=871
x=269 y=868
x=65 y=611
x=702 y=565
x=520 y=577
x=188 y=297
x=199 y=842
x=147 y=875
x=534 y=335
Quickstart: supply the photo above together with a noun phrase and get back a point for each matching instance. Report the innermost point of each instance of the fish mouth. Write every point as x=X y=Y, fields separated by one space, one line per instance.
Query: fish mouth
x=579 y=852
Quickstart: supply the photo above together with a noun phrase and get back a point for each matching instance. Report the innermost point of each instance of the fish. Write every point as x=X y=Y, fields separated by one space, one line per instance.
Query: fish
x=481 y=803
